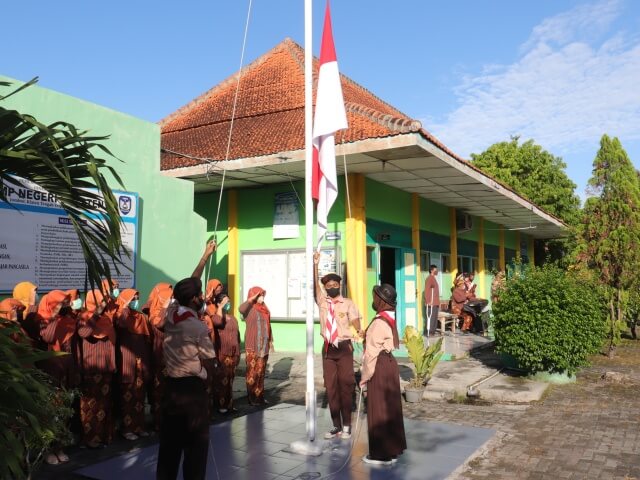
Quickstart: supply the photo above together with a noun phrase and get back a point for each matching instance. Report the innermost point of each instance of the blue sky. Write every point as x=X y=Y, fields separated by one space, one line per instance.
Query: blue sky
x=474 y=72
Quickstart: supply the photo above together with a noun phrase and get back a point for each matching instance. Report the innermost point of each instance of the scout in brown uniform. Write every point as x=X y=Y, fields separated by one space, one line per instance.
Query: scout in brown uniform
x=337 y=315
x=381 y=378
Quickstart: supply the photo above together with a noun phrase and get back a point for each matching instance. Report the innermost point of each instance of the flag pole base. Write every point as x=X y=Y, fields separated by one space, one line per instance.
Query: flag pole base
x=306 y=447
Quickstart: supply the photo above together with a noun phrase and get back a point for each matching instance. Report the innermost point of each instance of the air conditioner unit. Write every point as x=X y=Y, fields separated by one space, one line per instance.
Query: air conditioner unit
x=464 y=222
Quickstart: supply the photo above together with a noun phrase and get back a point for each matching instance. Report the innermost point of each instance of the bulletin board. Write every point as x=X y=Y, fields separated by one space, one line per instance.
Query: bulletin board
x=282 y=273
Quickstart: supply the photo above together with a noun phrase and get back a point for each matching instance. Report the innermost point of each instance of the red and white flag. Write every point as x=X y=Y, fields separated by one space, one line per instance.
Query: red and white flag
x=330 y=116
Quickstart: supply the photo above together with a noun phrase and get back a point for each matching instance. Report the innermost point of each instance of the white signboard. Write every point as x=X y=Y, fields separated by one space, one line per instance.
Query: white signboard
x=38 y=242
x=286 y=219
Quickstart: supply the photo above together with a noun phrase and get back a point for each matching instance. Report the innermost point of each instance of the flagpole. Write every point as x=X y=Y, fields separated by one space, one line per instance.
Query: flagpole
x=308 y=137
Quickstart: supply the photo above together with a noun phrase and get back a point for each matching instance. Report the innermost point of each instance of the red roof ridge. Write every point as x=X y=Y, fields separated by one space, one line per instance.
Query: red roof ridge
x=398 y=124
x=232 y=79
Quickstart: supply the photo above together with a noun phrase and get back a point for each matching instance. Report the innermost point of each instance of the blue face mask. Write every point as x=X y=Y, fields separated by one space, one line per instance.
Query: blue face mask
x=227 y=307
x=115 y=292
x=134 y=304
x=76 y=304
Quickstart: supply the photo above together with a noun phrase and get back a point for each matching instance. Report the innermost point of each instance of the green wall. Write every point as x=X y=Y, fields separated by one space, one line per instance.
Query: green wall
x=255 y=209
x=171 y=237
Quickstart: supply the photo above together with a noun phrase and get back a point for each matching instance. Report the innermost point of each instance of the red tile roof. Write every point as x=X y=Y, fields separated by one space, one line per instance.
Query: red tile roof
x=269 y=115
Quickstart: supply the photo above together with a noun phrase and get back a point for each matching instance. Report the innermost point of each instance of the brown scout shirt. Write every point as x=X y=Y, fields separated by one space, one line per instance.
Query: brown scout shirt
x=345 y=312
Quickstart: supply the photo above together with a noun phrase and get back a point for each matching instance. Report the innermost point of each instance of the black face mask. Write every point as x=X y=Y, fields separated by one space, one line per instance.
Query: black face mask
x=333 y=292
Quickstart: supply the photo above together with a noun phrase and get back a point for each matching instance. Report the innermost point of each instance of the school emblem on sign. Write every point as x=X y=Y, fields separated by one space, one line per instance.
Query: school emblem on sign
x=124 y=203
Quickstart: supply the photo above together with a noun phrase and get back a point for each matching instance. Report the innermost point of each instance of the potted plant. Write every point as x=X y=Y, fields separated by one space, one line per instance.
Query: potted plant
x=424 y=361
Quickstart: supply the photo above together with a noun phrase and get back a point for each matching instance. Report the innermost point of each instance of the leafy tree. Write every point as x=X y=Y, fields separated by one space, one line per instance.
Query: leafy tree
x=538 y=176
x=34 y=413
x=609 y=235
x=550 y=320
x=59 y=158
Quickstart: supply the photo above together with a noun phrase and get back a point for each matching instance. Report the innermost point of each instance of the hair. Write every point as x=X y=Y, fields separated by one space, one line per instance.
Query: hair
x=432 y=267
x=186 y=289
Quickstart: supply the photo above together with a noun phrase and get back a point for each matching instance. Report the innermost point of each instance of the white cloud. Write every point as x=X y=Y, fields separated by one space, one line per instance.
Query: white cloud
x=564 y=91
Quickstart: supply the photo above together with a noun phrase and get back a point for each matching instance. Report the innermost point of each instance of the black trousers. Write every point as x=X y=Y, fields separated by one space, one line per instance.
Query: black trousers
x=340 y=381
x=184 y=428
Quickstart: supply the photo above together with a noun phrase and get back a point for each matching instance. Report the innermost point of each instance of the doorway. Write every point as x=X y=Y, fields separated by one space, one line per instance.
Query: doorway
x=388 y=266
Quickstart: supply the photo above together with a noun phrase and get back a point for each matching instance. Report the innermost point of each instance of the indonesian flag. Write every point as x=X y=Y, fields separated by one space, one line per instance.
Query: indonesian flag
x=329 y=117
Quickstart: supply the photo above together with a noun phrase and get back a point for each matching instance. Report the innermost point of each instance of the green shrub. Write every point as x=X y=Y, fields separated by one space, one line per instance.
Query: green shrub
x=550 y=320
x=424 y=359
x=33 y=413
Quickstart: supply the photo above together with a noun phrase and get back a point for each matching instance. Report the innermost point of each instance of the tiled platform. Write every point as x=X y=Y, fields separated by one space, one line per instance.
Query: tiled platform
x=254 y=447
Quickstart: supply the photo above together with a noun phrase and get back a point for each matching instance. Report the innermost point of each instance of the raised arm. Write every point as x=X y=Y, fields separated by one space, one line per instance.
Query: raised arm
x=208 y=251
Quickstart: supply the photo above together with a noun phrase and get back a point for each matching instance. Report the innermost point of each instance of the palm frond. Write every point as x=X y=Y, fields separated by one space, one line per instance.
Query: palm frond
x=60 y=159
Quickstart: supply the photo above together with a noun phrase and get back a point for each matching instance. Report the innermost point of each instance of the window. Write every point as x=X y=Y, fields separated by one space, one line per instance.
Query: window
x=467 y=264
x=371 y=251
x=446 y=263
x=490 y=264
x=424 y=261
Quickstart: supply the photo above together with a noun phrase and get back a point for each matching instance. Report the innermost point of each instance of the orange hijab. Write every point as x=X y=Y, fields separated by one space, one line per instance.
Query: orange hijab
x=261 y=307
x=22 y=292
x=158 y=297
x=104 y=325
x=211 y=286
x=65 y=329
x=50 y=302
x=132 y=320
x=7 y=307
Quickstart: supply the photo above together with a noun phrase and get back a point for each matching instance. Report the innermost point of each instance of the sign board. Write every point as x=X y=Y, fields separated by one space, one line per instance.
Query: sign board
x=282 y=273
x=39 y=244
x=286 y=219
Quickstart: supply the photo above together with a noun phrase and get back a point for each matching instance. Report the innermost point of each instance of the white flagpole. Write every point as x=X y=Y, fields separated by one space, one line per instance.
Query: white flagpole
x=308 y=137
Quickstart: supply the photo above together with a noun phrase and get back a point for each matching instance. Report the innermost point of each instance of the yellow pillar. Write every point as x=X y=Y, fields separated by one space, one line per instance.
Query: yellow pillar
x=233 y=249
x=518 y=248
x=453 y=232
x=356 y=242
x=530 y=251
x=415 y=243
x=481 y=273
x=501 y=262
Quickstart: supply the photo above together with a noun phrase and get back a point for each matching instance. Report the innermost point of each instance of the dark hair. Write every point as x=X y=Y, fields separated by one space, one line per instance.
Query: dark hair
x=432 y=267
x=186 y=289
x=219 y=297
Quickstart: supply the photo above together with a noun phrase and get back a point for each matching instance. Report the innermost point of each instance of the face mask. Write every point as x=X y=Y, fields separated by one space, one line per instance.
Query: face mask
x=115 y=293
x=134 y=304
x=227 y=307
x=260 y=299
x=76 y=304
x=333 y=292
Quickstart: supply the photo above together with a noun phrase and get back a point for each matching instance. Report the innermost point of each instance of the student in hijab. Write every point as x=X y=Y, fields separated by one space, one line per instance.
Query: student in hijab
x=97 y=366
x=27 y=294
x=158 y=298
x=210 y=318
x=339 y=319
x=111 y=290
x=381 y=378
x=460 y=296
x=59 y=332
x=227 y=346
x=75 y=302
x=134 y=362
x=12 y=310
x=258 y=341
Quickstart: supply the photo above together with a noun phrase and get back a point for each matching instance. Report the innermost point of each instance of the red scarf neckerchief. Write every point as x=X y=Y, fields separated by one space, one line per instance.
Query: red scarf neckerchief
x=390 y=317
x=330 y=326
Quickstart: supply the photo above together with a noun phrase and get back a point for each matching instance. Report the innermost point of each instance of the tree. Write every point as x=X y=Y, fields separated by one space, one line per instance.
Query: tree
x=533 y=173
x=608 y=238
x=59 y=158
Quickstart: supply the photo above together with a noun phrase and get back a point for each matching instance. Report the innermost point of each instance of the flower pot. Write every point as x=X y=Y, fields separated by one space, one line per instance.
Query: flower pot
x=413 y=394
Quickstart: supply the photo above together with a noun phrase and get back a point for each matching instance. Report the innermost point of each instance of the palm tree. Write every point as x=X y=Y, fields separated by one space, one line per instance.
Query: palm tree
x=60 y=158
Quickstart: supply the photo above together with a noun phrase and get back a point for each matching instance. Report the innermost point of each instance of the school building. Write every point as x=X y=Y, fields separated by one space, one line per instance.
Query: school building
x=405 y=200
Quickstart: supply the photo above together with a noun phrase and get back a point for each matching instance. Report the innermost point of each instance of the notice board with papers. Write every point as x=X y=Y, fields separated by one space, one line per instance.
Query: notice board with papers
x=282 y=273
x=39 y=244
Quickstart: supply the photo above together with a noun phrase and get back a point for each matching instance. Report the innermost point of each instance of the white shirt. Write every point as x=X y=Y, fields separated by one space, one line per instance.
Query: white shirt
x=186 y=343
